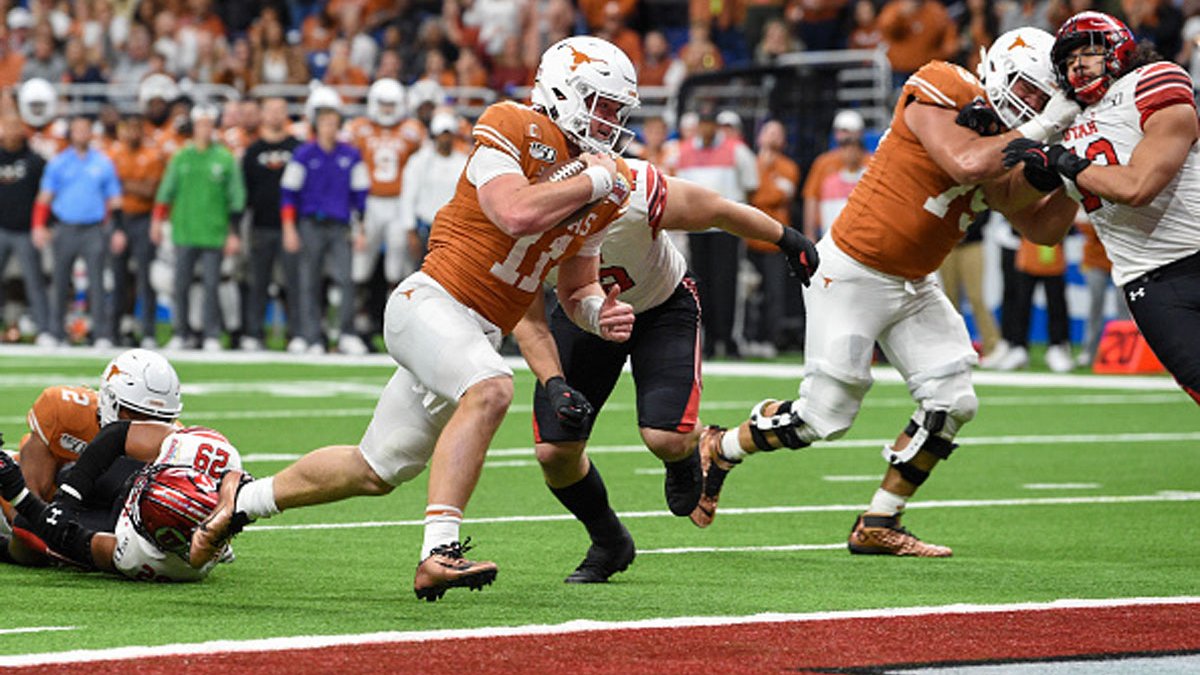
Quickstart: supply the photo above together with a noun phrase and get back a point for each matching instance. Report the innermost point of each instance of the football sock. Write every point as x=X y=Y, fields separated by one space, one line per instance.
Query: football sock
x=885 y=502
x=441 y=527
x=731 y=447
x=587 y=500
x=256 y=499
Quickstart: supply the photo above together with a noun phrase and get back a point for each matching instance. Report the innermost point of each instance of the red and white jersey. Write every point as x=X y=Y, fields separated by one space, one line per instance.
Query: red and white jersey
x=634 y=256
x=1139 y=239
x=386 y=150
x=200 y=448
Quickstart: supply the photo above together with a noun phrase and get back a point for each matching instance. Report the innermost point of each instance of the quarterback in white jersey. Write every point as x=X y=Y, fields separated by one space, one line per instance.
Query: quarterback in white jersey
x=1132 y=162
x=664 y=352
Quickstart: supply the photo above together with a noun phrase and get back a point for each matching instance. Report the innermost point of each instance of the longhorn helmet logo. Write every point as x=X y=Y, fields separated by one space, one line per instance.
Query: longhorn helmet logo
x=1019 y=42
x=579 y=58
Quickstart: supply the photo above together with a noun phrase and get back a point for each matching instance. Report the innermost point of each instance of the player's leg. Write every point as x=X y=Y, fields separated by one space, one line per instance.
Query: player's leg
x=592 y=366
x=931 y=349
x=847 y=308
x=1166 y=306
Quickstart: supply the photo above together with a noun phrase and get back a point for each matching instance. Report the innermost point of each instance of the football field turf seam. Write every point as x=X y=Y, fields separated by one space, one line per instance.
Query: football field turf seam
x=574 y=626
x=1164 y=496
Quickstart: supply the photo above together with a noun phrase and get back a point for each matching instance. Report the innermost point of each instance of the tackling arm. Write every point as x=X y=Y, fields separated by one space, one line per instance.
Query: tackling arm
x=963 y=154
x=584 y=300
x=694 y=208
x=1169 y=136
x=536 y=342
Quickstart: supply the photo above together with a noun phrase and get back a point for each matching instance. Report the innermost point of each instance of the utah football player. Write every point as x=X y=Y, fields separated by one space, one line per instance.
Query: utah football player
x=928 y=180
x=490 y=250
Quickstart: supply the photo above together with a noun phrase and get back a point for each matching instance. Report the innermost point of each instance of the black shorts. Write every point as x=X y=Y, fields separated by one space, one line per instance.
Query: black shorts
x=664 y=351
x=1165 y=304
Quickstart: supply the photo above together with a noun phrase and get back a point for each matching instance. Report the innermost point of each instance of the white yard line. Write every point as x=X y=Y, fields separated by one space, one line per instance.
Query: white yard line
x=34 y=629
x=1060 y=486
x=1163 y=496
x=569 y=627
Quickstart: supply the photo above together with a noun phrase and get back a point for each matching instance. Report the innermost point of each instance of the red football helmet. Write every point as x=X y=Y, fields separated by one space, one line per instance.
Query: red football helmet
x=167 y=503
x=1093 y=28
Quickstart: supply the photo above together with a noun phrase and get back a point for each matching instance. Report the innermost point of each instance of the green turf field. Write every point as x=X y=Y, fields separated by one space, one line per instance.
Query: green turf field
x=1056 y=492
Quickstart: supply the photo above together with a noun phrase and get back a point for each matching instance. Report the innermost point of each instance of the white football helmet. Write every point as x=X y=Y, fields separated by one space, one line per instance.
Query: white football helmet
x=142 y=381
x=156 y=86
x=37 y=102
x=572 y=77
x=386 y=92
x=425 y=91
x=1020 y=55
x=321 y=97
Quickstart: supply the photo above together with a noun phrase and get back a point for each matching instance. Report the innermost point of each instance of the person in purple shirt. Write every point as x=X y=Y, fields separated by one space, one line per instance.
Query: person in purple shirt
x=324 y=192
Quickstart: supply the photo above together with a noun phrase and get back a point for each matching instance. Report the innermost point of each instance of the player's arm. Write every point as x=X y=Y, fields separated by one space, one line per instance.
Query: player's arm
x=38 y=466
x=586 y=303
x=136 y=440
x=1169 y=136
x=1045 y=221
x=966 y=156
x=536 y=342
x=520 y=208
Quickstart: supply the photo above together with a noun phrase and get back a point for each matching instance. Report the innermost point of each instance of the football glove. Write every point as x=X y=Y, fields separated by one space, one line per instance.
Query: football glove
x=979 y=117
x=1044 y=164
x=801 y=254
x=569 y=405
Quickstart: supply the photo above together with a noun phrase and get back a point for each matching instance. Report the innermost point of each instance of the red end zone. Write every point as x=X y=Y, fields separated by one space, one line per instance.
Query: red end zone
x=810 y=646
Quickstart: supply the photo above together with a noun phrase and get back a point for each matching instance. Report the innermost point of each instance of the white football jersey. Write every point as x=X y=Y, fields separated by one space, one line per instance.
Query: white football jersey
x=1139 y=239
x=200 y=448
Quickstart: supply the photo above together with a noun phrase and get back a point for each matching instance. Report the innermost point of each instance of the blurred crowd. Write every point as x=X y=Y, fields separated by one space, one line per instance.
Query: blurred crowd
x=230 y=270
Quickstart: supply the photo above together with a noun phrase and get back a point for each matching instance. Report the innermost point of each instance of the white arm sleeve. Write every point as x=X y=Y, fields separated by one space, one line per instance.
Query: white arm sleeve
x=591 y=245
x=293 y=176
x=488 y=163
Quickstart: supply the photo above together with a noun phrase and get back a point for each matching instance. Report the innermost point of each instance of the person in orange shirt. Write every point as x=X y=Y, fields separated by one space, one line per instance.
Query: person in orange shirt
x=615 y=30
x=1045 y=266
x=916 y=32
x=341 y=71
x=833 y=174
x=11 y=61
x=140 y=167
x=491 y=249
x=778 y=177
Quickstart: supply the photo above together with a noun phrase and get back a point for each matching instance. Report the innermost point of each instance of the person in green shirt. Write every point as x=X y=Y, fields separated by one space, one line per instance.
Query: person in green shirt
x=204 y=194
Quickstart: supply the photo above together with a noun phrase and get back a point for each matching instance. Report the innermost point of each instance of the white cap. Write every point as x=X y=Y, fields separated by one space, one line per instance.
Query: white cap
x=848 y=120
x=205 y=110
x=443 y=122
x=728 y=118
x=19 y=17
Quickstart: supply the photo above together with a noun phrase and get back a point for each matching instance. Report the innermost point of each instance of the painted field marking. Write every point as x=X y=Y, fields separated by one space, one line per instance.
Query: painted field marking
x=575 y=626
x=34 y=629
x=649 y=471
x=1060 y=486
x=1164 y=496
x=741 y=549
x=863 y=478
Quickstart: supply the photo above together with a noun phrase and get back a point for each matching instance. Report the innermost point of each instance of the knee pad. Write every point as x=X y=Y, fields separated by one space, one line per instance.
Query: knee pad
x=948 y=390
x=787 y=426
x=829 y=404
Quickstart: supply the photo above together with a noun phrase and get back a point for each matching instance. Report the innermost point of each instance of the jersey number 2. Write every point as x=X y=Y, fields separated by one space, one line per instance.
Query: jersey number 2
x=1101 y=147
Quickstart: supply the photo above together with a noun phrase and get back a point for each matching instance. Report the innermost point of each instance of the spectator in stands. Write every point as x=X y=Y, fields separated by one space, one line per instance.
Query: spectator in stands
x=759 y=13
x=45 y=62
x=140 y=168
x=1097 y=271
x=496 y=21
x=429 y=182
x=341 y=72
x=275 y=62
x=436 y=69
x=132 y=62
x=318 y=30
x=700 y=54
x=204 y=195
x=324 y=192
x=391 y=66
x=20 y=173
x=469 y=71
x=778 y=177
x=916 y=32
x=263 y=166
x=727 y=166
x=654 y=142
x=1189 y=54
x=657 y=60
x=80 y=70
x=596 y=12
x=816 y=23
x=978 y=26
x=509 y=69
x=615 y=30
x=865 y=33
x=545 y=23
x=962 y=275
x=12 y=61
x=1017 y=13
x=79 y=188
x=776 y=41
x=1156 y=21
x=833 y=174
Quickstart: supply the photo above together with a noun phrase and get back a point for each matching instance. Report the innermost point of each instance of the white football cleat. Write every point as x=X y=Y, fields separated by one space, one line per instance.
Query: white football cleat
x=351 y=345
x=1058 y=359
x=297 y=345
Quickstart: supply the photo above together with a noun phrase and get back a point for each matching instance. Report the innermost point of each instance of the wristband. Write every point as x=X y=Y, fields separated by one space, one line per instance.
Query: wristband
x=589 y=313
x=161 y=211
x=1034 y=130
x=41 y=215
x=602 y=182
x=287 y=213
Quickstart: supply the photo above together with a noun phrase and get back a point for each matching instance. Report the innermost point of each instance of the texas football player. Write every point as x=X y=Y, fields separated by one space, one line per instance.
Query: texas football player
x=490 y=250
x=37 y=104
x=928 y=180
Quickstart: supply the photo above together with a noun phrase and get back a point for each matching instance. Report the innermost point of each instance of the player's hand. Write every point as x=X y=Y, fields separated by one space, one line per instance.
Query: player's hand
x=1044 y=164
x=801 y=254
x=569 y=405
x=291 y=240
x=40 y=237
x=156 y=232
x=12 y=483
x=118 y=242
x=616 y=317
x=1058 y=114
x=595 y=159
x=233 y=245
x=980 y=117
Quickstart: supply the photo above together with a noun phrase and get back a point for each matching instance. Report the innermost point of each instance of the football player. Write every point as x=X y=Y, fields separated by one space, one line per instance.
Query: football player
x=169 y=495
x=386 y=138
x=37 y=104
x=664 y=351
x=1131 y=161
x=928 y=180
x=491 y=248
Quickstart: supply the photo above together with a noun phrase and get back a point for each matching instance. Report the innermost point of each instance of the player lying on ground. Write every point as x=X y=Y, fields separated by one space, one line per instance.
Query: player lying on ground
x=928 y=180
x=664 y=350
x=155 y=513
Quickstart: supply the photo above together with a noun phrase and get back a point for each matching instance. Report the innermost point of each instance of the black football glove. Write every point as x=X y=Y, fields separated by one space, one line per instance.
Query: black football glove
x=979 y=117
x=571 y=407
x=12 y=483
x=1045 y=165
x=801 y=254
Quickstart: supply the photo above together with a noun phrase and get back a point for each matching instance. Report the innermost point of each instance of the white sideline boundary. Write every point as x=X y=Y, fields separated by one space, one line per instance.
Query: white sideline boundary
x=34 y=629
x=576 y=626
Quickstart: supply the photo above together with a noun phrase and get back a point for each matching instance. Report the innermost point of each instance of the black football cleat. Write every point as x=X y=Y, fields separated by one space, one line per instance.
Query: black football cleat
x=601 y=562
x=683 y=483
